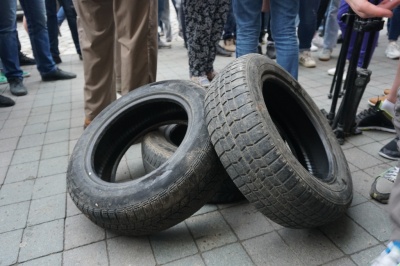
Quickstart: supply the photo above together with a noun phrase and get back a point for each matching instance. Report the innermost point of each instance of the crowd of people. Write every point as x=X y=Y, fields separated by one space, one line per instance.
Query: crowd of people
x=291 y=30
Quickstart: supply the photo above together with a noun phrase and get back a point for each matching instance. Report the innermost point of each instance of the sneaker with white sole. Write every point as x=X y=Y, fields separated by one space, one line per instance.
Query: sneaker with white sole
x=306 y=59
x=392 y=51
x=325 y=54
x=202 y=81
x=390 y=256
x=390 y=151
x=331 y=72
x=313 y=48
x=383 y=184
x=318 y=41
x=374 y=118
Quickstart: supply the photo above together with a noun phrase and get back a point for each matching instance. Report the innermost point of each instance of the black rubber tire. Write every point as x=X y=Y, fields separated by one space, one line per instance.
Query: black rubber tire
x=162 y=198
x=276 y=145
x=159 y=145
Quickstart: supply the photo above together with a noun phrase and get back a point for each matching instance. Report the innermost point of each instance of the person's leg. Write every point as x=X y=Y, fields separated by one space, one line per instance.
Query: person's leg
x=35 y=13
x=308 y=21
x=136 y=25
x=230 y=25
x=331 y=25
x=52 y=27
x=70 y=14
x=60 y=16
x=166 y=21
x=393 y=50
x=283 y=18
x=248 y=24
x=96 y=22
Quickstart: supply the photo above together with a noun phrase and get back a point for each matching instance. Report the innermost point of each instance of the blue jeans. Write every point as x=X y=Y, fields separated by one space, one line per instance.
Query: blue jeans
x=8 y=40
x=283 y=27
x=60 y=16
x=52 y=26
x=331 y=25
x=35 y=13
x=394 y=25
x=308 y=23
x=230 y=25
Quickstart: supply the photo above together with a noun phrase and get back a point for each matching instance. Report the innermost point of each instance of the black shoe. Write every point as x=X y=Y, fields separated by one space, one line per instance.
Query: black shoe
x=17 y=87
x=222 y=51
x=5 y=101
x=25 y=61
x=390 y=151
x=374 y=118
x=58 y=74
x=271 y=53
x=57 y=59
x=80 y=57
x=259 y=48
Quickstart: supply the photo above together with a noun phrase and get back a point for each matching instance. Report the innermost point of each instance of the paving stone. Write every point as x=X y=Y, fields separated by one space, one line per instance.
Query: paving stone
x=29 y=141
x=58 y=125
x=246 y=221
x=369 y=216
x=93 y=254
x=39 y=118
x=22 y=172
x=348 y=236
x=5 y=158
x=51 y=260
x=53 y=166
x=121 y=250
x=192 y=260
x=37 y=128
x=229 y=255
x=72 y=210
x=311 y=246
x=49 y=186
x=36 y=241
x=206 y=209
x=79 y=231
x=361 y=159
x=56 y=116
x=173 y=244
x=56 y=136
x=210 y=231
x=9 y=247
x=366 y=256
x=16 y=122
x=8 y=144
x=3 y=171
x=14 y=216
x=270 y=249
x=47 y=209
x=55 y=150
x=16 y=192
x=341 y=262
x=26 y=155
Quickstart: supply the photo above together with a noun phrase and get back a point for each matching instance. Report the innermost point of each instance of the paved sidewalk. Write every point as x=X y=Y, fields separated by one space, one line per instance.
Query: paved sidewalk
x=40 y=225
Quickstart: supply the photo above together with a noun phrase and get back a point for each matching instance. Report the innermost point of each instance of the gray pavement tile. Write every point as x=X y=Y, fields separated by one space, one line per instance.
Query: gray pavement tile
x=51 y=260
x=42 y=240
x=6 y=133
x=362 y=183
x=3 y=171
x=311 y=246
x=29 y=141
x=58 y=125
x=56 y=116
x=341 y=262
x=71 y=146
x=246 y=221
x=206 y=209
x=228 y=255
x=210 y=231
x=49 y=186
x=55 y=150
x=15 y=122
x=38 y=118
x=22 y=172
x=9 y=247
x=26 y=155
x=37 y=128
x=348 y=236
x=358 y=199
x=361 y=159
x=42 y=102
x=122 y=250
x=5 y=158
x=61 y=107
x=19 y=114
x=56 y=136
x=47 y=209
x=5 y=114
x=53 y=166
x=8 y=144
x=270 y=249
x=16 y=192
x=76 y=132
x=366 y=256
x=373 y=219
x=173 y=244
x=72 y=210
x=93 y=254
x=13 y=216
x=79 y=231
x=192 y=260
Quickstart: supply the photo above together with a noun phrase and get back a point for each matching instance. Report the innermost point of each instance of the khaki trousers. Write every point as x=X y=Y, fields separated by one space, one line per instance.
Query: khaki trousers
x=134 y=23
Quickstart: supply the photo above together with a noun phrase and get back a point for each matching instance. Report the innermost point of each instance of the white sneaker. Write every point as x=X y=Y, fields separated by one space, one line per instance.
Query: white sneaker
x=202 y=81
x=392 y=51
x=306 y=59
x=318 y=41
x=313 y=48
x=325 y=54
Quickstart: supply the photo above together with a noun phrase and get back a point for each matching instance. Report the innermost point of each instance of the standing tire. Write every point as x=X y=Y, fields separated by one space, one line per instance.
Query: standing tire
x=162 y=198
x=276 y=145
x=159 y=145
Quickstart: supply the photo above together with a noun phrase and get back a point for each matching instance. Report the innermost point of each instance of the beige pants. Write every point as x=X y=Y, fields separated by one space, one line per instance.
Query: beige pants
x=134 y=22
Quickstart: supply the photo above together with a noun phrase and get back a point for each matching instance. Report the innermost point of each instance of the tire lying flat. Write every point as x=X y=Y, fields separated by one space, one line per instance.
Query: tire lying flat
x=159 y=145
x=162 y=198
x=276 y=145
